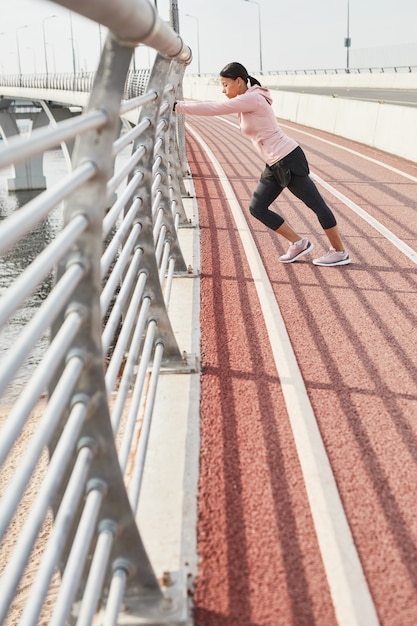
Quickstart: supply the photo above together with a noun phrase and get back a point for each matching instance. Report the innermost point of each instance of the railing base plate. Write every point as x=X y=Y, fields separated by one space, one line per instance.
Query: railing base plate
x=188 y=365
x=172 y=610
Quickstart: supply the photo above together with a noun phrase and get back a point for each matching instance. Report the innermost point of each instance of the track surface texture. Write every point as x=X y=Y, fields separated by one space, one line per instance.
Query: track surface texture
x=265 y=557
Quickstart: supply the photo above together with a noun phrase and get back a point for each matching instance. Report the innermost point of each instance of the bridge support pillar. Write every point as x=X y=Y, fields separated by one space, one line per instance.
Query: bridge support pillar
x=28 y=175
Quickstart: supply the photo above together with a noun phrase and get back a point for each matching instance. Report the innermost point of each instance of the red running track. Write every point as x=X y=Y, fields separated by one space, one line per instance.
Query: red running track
x=353 y=333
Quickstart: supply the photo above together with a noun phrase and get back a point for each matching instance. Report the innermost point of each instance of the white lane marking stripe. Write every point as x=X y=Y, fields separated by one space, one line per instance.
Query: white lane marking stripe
x=358 y=154
x=388 y=234
x=336 y=145
x=348 y=587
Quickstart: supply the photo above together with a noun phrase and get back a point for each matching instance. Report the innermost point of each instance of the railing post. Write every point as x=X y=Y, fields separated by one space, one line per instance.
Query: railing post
x=151 y=112
x=97 y=432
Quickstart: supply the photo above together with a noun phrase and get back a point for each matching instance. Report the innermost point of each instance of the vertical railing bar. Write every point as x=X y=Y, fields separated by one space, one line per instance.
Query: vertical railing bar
x=36 y=272
x=115 y=598
x=21 y=149
x=66 y=512
x=37 y=383
x=21 y=553
x=129 y=256
x=168 y=282
x=157 y=178
x=176 y=214
x=96 y=575
x=119 y=239
x=171 y=268
x=77 y=557
x=173 y=210
x=43 y=318
x=44 y=431
x=158 y=223
x=164 y=262
x=162 y=124
x=113 y=214
x=122 y=298
x=131 y=361
x=114 y=279
x=136 y=483
x=134 y=103
x=156 y=165
x=137 y=394
x=115 y=181
x=20 y=223
x=161 y=241
x=119 y=349
x=130 y=136
x=157 y=200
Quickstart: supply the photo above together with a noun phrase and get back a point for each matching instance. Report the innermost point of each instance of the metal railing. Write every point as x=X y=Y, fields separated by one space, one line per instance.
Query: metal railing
x=65 y=442
x=398 y=69
x=136 y=81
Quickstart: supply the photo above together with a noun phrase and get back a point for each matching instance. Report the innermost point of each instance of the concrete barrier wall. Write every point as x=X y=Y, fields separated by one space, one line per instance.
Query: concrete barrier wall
x=384 y=126
x=380 y=80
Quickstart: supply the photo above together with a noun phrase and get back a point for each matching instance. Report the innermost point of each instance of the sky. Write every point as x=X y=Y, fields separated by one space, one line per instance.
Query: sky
x=301 y=34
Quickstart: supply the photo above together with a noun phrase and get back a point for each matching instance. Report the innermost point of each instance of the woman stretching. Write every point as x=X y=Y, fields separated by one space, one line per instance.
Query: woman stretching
x=286 y=164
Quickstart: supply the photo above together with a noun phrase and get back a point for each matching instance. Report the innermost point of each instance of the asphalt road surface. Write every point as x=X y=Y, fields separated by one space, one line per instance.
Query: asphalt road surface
x=403 y=97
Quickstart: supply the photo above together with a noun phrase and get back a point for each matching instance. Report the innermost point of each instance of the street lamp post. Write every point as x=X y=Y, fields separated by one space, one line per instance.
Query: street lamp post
x=44 y=43
x=174 y=15
x=74 y=66
x=2 y=66
x=19 y=65
x=260 y=33
x=348 y=40
x=198 y=40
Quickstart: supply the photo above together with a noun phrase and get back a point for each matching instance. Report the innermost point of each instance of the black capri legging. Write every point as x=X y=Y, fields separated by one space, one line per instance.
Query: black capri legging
x=301 y=185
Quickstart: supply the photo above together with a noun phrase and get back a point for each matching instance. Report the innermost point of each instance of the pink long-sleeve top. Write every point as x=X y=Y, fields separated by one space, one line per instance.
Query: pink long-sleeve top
x=257 y=121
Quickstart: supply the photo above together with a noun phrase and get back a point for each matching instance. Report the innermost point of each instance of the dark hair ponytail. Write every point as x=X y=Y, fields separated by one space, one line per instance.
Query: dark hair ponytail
x=253 y=81
x=237 y=70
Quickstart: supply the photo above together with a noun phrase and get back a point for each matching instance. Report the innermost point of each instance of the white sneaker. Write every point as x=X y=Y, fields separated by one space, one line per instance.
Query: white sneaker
x=332 y=258
x=296 y=250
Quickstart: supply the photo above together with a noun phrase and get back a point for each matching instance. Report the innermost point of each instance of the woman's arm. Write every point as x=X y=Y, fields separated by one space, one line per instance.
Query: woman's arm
x=241 y=104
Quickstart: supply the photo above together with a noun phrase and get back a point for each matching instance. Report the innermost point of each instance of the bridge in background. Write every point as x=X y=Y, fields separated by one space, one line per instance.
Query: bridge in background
x=35 y=101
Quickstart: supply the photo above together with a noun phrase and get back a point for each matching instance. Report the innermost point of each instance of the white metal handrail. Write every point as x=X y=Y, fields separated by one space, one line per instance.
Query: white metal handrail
x=113 y=264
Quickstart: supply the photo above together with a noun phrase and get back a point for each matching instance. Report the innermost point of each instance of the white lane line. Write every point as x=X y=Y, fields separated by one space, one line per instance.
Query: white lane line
x=350 y=594
x=354 y=152
x=336 y=145
x=388 y=234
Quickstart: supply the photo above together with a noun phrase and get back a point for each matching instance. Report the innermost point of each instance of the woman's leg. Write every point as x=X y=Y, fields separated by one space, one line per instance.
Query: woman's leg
x=268 y=190
x=286 y=231
x=334 y=238
x=304 y=188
